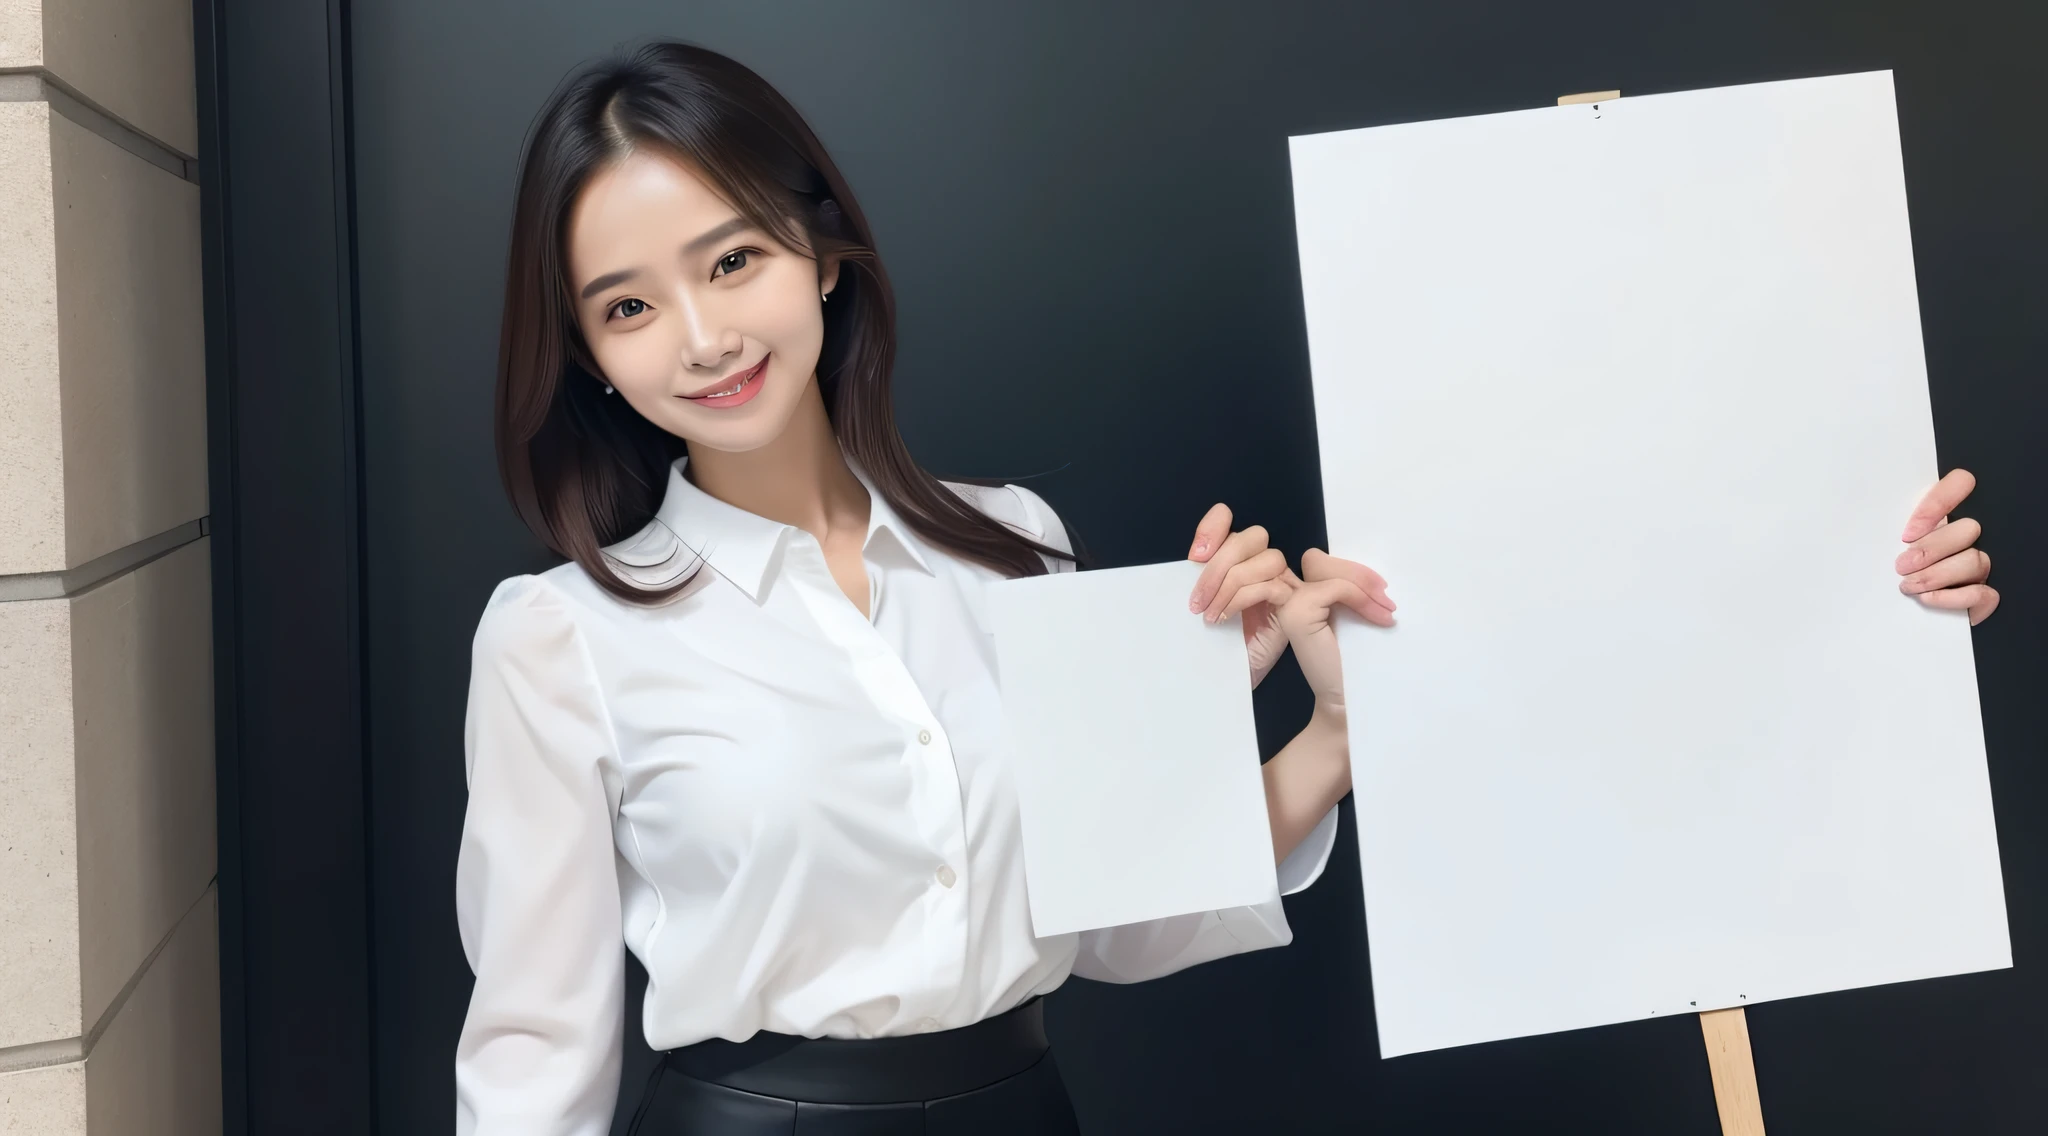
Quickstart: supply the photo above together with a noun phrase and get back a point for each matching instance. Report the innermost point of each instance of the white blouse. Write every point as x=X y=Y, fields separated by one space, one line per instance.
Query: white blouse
x=801 y=820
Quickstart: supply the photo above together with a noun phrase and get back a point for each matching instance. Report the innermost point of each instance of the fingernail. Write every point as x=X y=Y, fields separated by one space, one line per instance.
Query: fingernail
x=1195 y=602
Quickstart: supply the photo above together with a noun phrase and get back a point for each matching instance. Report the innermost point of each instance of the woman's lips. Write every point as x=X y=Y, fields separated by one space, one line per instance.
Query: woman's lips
x=743 y=387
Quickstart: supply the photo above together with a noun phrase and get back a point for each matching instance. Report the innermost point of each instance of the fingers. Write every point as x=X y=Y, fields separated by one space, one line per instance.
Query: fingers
x=1943 y=569
x=1978 y=599
x=1943 y=542
x=1310 y=605
x=1235 y=549
x=1970 y=566
x=1275 y=591
x=1986 y=604
x=1940 y=501
x=1267 y=565
x=1209 y=535
x=1243 y=571
x=1319 y=565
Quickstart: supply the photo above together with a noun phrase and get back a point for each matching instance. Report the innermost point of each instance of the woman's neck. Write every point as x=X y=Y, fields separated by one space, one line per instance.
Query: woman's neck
x=801 y=478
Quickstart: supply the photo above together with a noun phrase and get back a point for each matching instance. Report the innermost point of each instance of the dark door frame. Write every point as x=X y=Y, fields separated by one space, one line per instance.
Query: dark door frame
x=285 y=473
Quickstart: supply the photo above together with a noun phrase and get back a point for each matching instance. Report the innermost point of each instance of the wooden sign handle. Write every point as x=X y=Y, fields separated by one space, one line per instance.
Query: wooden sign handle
x=1728 y=1059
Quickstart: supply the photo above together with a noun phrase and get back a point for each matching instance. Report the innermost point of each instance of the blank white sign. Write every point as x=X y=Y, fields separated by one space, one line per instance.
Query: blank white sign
x=1137 y=758
x=1627 y=403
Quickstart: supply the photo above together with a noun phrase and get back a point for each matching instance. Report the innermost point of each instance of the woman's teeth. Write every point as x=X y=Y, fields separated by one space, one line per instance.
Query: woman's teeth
x=735 y=389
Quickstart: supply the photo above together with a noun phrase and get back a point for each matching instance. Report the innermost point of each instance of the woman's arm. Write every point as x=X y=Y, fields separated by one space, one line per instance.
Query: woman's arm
x=536 y=890
x=1309 y=776
x=1306 y=779
x=1245 y=577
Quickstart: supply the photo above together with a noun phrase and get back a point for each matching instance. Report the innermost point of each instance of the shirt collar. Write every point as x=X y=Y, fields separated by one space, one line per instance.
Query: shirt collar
x=692 y=527
x=886 y=528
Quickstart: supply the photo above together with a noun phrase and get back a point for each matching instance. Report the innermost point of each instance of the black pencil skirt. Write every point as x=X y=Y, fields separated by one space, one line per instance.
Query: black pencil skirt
x=993 y=1078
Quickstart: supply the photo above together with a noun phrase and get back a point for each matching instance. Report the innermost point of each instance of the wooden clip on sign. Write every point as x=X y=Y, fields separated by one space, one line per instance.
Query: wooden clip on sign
x=1726 y=1032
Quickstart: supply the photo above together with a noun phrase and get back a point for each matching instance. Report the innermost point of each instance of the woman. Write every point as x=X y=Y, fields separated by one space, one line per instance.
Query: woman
x=753 y=722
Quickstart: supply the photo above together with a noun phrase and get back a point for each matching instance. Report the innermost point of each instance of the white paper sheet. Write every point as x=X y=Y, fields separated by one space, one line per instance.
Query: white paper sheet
x=1137 y=758
x=1627 y=402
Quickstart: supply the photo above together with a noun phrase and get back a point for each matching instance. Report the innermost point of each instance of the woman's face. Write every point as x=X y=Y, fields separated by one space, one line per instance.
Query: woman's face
x=706 y=325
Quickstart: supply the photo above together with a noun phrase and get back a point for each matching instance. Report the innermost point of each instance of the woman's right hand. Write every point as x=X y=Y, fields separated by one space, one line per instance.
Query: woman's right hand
x=1329 y=583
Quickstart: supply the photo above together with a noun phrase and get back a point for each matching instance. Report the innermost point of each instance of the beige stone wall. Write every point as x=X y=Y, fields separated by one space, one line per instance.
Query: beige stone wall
x=109 y=942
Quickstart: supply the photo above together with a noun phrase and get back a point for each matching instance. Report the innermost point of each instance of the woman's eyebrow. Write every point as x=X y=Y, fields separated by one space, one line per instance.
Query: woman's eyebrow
x=716 y=234
x=607 y=280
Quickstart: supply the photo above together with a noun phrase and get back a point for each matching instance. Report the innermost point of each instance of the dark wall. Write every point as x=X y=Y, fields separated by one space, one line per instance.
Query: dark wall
x=1087 y=213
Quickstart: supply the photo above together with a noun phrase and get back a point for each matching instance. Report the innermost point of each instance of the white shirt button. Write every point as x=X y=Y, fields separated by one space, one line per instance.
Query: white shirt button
x=924 y=737
x=946 y=876
x=928 y=1023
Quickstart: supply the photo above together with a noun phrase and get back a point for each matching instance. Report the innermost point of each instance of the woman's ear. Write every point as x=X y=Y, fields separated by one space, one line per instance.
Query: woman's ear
x=828 y=275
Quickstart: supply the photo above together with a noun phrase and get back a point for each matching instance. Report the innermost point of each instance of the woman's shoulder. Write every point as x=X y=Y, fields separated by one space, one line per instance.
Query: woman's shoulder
x=651 y=558
x=527 y=613
x=1018 y=509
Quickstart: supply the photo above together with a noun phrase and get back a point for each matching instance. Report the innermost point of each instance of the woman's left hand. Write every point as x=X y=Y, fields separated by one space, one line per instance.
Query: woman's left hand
x=1244 y=576
x=1944 y=567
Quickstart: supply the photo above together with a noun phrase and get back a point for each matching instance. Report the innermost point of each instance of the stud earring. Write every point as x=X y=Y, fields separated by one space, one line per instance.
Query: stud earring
x=607 y=388
x=824 y=297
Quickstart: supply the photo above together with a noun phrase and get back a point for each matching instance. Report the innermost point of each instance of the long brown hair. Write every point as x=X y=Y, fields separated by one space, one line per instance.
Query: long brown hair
x=585 y=471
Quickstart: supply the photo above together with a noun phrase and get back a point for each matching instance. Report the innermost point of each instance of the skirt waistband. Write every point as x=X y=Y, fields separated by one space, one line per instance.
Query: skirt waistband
x=879 y=1070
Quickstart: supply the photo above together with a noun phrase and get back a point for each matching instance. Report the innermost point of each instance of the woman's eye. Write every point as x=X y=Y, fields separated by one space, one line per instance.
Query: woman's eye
x=731 y=262
x=627 y=309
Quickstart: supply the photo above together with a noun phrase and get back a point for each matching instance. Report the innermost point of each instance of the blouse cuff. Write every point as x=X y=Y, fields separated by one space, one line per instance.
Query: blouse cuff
x=1305 y=864
x=1264 y=925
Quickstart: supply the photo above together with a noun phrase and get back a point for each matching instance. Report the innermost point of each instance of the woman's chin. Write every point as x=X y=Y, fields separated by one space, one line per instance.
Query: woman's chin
x=737 y=436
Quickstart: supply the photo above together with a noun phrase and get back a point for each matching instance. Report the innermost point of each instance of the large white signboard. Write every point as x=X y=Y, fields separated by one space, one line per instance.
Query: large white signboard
x=1628 y=404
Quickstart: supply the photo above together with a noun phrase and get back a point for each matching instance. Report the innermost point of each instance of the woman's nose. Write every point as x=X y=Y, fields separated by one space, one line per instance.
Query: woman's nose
x=708 y=339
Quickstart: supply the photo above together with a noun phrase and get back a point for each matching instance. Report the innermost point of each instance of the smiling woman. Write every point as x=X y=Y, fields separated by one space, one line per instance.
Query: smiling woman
x=753 y=731
x=677 y=233
x=754 y=727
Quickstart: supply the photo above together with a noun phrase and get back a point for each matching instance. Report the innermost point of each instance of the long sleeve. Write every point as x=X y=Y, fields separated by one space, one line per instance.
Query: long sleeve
x=1156 y=948
x=537 y=898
